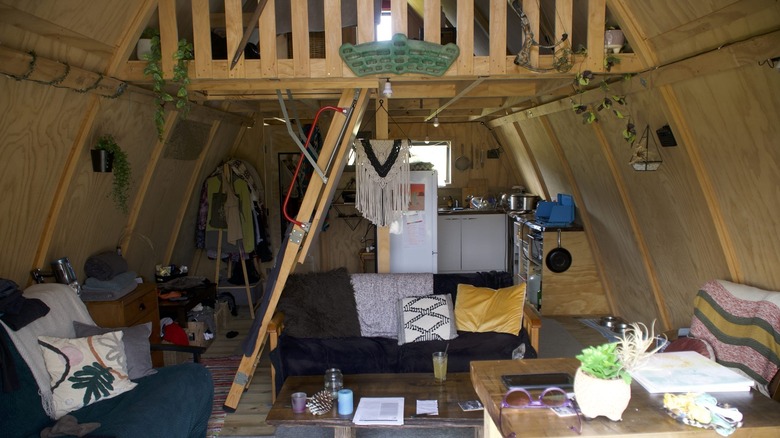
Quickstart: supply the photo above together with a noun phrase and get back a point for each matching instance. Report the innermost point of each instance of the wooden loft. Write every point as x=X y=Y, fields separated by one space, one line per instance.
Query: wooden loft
x=491 y=82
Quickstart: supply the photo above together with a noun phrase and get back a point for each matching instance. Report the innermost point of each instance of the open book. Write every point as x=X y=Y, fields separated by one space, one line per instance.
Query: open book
x=688 y=371
x=380 y=410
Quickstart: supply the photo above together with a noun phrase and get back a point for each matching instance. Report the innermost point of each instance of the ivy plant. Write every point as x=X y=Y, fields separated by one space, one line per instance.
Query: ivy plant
x=121 y=169
x=153 y=69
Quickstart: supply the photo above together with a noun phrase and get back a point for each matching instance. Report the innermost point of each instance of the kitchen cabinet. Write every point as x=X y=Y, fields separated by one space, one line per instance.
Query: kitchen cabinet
x=576 y=291
x=471 y=242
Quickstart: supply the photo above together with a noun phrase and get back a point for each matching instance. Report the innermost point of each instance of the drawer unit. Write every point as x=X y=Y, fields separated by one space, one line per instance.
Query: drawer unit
x=137 y=307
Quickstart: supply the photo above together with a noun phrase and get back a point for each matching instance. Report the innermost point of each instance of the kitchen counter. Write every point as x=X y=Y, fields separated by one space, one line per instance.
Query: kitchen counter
x=456 y=211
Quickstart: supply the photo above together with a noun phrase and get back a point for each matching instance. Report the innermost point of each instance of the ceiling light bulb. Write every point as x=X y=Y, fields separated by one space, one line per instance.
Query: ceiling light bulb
x=427 y=140
x=436 y=122
x=388 y=90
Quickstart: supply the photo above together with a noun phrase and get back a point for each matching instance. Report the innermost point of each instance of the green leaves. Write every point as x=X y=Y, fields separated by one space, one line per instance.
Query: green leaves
x=603 y=362
x=96 y=379
x=629 y=134
x=120 y=190
x=153 y=69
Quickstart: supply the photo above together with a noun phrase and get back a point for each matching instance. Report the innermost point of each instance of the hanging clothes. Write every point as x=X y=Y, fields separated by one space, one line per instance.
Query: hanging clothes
x=231 y=201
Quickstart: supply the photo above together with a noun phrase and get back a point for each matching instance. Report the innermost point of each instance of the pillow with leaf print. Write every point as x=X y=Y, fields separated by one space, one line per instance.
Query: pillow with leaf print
x=85 y=370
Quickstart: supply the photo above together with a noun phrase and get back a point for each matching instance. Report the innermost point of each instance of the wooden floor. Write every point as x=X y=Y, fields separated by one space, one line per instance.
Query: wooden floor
x=249 y=418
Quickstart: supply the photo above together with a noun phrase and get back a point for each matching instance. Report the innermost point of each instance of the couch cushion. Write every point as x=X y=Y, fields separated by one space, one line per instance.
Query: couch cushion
x=377 y=298
x=481 y=309
x=416 y=357
x=136 y=340
x=85 y=370
x=426 y=318
x=448 y=283
x=319 y=305
x=174 y=402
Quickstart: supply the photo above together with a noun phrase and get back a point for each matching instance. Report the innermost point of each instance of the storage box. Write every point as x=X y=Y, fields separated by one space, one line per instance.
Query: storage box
x=196 y=333
x=239 y=291
x=559 y=214
x=221 y=314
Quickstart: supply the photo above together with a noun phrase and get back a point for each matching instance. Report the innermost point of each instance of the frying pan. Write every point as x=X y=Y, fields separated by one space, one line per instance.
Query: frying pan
x=463 y=162
x=559 y=259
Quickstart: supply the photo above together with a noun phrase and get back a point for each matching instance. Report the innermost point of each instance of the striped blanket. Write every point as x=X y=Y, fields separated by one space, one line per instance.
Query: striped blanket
x=742 y=324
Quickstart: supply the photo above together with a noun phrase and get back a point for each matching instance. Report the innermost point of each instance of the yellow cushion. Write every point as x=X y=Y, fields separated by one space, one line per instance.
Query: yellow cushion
x=481 y=309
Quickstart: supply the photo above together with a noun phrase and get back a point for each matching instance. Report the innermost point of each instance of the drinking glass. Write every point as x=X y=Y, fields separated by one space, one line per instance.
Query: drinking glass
x=440 y=366
x=299 y=402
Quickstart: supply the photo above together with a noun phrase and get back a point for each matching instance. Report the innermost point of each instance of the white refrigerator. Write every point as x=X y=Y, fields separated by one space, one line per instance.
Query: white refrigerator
x=413 y=235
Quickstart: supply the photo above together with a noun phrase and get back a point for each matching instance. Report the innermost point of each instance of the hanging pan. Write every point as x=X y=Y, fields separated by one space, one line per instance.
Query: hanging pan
x=463 y=162
x=559 y=259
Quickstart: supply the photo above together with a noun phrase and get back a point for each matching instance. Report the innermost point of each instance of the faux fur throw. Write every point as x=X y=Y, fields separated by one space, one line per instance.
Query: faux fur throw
x=319 y=305
x=382 y=180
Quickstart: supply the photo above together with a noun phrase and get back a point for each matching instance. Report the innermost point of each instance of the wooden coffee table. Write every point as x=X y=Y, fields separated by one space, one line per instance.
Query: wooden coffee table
x=645 y=414
x=412 y=387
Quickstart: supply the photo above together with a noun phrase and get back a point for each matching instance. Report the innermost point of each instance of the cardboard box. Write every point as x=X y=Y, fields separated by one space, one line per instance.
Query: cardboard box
x=221 y=315
x=239 y=291
x=195 y=333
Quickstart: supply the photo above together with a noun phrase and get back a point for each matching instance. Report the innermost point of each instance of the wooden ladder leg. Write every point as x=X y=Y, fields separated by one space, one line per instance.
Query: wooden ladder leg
x=248 y=289
x=316 y=200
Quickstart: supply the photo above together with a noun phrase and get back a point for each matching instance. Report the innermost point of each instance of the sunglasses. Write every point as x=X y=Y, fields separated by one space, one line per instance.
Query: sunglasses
x=552 y=397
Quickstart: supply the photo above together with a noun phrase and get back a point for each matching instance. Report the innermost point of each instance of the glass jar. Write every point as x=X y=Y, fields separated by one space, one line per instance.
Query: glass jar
x=334 y=381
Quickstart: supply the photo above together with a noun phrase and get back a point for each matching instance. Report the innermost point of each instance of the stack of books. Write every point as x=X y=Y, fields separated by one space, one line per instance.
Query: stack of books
x=688 y=371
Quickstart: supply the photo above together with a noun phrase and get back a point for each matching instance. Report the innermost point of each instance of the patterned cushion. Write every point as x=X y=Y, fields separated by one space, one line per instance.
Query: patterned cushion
x=85 y=370
x=426 y=318
x=481 y=309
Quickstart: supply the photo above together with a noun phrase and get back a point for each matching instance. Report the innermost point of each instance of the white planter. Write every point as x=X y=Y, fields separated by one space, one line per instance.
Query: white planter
x=143 y=47
x=601 y=397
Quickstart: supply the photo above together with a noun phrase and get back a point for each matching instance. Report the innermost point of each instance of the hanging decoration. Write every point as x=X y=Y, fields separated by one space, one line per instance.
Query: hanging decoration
x=382 y=177
x=562 y=53
x=644 y=158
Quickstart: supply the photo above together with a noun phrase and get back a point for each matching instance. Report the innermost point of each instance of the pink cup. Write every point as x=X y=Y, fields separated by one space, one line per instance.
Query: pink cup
x=299 y=402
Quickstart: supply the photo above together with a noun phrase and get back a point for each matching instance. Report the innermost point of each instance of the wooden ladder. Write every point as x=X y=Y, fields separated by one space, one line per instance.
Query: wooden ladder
x=316 y=201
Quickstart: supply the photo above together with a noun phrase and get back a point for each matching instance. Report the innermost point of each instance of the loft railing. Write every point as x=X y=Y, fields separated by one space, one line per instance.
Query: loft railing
x=275 y=62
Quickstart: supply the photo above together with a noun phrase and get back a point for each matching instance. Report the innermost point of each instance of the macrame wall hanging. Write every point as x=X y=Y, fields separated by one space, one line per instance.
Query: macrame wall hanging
x=382 y=179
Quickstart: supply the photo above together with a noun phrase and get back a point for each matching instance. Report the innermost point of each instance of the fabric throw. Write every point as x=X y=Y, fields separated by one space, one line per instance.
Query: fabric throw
x=117 y=287
x=382 y=179
x=319 y=305
x=85 y=370
x=427 y=318
x=377 y=296
x=742 y=324
x=136 y=342
x=105 y=266
x=481 y=309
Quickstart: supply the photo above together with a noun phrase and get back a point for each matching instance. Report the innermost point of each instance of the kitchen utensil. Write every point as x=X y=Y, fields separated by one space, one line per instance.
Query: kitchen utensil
x=463 y=162
x=559 y=259
x=522 y=201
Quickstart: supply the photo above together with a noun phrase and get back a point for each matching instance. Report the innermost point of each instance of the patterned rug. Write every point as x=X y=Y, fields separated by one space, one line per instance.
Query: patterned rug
x=223 y=370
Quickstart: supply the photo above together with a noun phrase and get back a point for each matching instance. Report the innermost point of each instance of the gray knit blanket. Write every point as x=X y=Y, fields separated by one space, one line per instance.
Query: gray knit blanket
x=377 y=298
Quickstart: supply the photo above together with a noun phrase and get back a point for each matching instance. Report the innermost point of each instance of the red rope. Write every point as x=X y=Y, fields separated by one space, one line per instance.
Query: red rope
x=300 y=161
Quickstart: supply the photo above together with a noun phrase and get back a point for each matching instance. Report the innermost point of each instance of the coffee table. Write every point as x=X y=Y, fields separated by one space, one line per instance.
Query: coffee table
x=644 y=415
x=412 y=387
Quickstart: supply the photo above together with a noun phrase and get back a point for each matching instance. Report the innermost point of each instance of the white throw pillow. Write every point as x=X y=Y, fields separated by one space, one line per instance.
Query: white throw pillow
x=85 y=370
x=427 y=318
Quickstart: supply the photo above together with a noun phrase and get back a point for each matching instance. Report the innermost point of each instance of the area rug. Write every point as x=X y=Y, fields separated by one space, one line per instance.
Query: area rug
x=223 y=370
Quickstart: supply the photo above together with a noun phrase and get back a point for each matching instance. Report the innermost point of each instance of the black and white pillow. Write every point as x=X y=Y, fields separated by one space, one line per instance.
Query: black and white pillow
x=426 y=318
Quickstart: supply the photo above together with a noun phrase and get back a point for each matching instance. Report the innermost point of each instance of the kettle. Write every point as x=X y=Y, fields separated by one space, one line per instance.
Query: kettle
x=522 y=201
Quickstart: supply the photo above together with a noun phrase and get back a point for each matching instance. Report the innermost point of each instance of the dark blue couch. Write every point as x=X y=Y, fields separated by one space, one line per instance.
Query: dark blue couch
x=300 y=356
x=174 y=402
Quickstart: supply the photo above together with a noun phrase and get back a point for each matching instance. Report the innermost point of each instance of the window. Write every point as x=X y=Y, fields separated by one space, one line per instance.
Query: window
x=384 y=30
x=435 y=152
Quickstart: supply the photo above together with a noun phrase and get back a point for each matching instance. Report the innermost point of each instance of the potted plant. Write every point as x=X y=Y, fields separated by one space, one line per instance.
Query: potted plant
x=613 y=39
x=144 y=45
x=154 y=70
x=602 y=384
x=108 y=149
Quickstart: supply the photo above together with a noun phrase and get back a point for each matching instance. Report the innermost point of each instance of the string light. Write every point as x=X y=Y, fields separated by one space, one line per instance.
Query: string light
x=436 y=122
x=388 y=89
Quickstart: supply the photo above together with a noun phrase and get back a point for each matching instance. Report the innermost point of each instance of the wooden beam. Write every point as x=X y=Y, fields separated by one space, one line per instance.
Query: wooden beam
x=131 y=35
x=399 y=16
x=595 y=43
x=632 y=30
x=365 y=19
x=531 y=10
x=454 y=99
x=169 y=35
x=725 y=58
x=201 y=39
x=498 y=37
x=333 y=62
x=234 y=31
x=267 y=33
x=299 y=10
x=465 y=38
x=431 y=20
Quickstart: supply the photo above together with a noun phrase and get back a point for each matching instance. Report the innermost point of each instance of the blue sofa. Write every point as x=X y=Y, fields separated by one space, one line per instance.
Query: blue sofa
x=176 y=401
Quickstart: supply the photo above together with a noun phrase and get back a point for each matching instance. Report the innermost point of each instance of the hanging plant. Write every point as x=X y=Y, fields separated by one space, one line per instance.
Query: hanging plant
x=121 y=170
x=153 y=69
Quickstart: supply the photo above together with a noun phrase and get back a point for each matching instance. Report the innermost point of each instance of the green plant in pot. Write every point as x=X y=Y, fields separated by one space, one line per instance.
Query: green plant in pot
x=602 y=384
x=153 y=69
x=121 y=170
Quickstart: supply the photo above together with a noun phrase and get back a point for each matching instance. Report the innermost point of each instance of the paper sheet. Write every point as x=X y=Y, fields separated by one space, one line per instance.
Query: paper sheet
x=427 y=407
x=380 y=410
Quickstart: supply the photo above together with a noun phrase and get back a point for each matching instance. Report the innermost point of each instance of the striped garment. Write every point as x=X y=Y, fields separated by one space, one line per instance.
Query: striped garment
x=742 y=324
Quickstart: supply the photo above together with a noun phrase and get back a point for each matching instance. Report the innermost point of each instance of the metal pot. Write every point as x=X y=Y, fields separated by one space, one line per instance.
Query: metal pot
x=522 y=201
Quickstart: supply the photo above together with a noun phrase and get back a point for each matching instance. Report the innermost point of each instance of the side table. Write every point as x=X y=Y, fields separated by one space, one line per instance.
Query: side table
x=137 y=307
x=177 y=310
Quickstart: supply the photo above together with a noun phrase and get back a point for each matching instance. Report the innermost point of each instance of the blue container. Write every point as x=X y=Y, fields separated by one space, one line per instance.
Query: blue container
x=559 y=214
